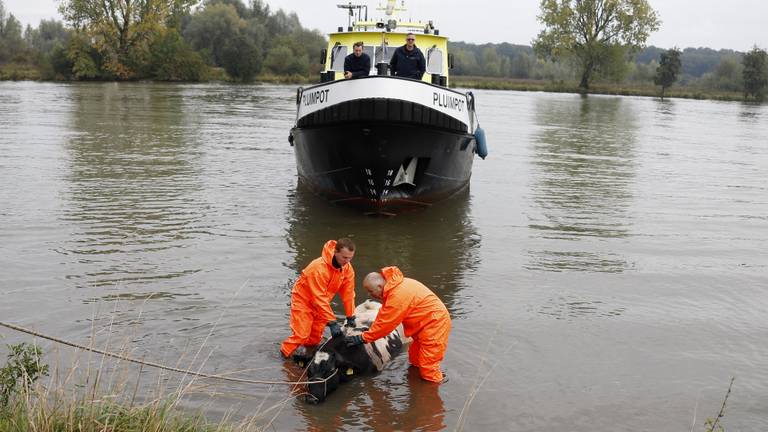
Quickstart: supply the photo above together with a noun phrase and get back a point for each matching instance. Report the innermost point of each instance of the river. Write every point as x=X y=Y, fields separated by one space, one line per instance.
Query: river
x=606 y=270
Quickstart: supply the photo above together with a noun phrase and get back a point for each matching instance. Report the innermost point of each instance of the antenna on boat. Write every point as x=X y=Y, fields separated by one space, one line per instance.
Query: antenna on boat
x=351 y=8
x=391 y=7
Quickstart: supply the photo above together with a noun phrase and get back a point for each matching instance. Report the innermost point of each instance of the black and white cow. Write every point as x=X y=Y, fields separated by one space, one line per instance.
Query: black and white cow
x=342 y=363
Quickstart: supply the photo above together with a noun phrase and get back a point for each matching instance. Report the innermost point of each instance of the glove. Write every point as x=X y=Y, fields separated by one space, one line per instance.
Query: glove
x=335 y=329
x=350 y=321
x=353 y=340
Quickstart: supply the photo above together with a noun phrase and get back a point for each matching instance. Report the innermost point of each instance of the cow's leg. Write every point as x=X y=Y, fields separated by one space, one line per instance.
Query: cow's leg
x=301 y=327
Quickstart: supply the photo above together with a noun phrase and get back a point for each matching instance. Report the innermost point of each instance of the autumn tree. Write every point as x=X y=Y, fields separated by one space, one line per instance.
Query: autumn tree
x=122 y=30
x=590 y=31
x=669 y=68
x=755 y=73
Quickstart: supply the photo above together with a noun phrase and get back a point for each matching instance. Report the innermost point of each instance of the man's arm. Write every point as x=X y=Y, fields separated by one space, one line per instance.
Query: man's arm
x=393 y=63
x=347 y=292
x=422 y=65
x=318 y=286
x=389 y=317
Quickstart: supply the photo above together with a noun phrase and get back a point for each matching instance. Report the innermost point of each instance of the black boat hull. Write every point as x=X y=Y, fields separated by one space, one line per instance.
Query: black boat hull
x=368 y=164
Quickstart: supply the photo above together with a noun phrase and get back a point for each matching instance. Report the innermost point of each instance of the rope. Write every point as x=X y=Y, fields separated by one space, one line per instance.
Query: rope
x=159 y=366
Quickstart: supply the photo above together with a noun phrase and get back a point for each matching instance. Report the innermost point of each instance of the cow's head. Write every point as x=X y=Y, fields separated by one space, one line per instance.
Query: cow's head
x=324 y=368
x=335 y=363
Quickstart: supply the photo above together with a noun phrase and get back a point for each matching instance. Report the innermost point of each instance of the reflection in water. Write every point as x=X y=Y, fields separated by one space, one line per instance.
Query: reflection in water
x=402 y=403
x=750 y=112
x=437 y=247
x=583 y=167
x=132 y=185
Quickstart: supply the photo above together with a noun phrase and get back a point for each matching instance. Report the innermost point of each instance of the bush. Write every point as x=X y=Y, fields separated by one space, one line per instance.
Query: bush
x=173 y=59
x=23 y=368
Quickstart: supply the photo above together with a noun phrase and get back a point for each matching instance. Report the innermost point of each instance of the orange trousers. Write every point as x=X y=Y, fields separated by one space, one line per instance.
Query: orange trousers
x=306 y=328
x=428 y=349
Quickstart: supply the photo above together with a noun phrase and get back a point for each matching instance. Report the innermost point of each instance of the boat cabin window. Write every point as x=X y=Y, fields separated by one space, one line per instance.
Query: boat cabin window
x=369 y=50
x=383 y=54
x=338 y=53
x=434 y=61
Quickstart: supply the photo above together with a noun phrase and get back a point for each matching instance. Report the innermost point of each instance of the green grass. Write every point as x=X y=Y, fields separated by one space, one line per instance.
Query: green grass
x=93 y=394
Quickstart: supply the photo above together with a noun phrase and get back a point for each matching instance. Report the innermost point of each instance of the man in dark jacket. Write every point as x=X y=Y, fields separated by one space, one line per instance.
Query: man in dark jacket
x=408 y=61
x=357 y=64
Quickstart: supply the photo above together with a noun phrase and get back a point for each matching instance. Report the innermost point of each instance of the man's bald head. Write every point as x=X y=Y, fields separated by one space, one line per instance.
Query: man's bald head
x=374 y=284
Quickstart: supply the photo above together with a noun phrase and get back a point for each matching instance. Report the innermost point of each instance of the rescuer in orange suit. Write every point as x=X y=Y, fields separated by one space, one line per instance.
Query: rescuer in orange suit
x=423 y=315
x=311 y=296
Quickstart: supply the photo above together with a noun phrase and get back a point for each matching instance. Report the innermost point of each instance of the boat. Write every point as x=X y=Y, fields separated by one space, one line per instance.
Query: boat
x=385 y=143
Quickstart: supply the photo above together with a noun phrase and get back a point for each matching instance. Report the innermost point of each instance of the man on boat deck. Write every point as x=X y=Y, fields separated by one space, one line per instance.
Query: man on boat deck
x=311 y=296
x=408 y=61
x=357 y=64
x=424 y=317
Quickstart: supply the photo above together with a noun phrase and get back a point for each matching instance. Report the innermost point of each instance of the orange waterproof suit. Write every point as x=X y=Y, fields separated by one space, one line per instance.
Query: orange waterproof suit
x=311 y=299
x=424 y=318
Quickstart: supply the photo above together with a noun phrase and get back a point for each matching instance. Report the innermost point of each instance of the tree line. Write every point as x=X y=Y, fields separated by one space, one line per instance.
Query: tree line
x=700 y=68
x=169 y=40
x=185 y=40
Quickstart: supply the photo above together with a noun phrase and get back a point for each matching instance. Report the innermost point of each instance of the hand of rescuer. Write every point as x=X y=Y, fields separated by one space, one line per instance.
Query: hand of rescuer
x=353 y=340
x=335 y=329
x=350 y=321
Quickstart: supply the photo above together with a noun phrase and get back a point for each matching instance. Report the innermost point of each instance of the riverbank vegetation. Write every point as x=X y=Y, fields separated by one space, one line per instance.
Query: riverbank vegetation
x=188 y=40
x=94 y=395
x=163 y=40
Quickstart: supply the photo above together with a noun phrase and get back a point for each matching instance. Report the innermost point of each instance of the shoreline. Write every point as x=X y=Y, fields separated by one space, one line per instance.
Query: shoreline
x=675 y=92
x=475 y=83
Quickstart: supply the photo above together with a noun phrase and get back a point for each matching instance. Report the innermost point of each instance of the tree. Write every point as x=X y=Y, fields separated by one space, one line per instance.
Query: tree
x=755 y=73
x=11 y=40
x=727 y=75
x=212 y=30
x=121 y=30
x=174 y=60
x=242 y=60
x=669 y=68
x=591 y=31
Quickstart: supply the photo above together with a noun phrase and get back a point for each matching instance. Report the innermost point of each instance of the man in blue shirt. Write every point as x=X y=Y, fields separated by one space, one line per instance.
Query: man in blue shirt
x=408 y=61
x=357 y=64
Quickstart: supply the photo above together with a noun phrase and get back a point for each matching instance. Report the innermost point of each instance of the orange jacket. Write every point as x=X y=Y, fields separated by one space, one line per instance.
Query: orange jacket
x=405 y=300
x=320 y=281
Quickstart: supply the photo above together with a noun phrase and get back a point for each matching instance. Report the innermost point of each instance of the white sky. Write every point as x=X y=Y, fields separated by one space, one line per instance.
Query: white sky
x=734 y=24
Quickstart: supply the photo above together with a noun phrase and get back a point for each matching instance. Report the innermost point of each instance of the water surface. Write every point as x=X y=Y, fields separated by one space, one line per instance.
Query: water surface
x=605 y=271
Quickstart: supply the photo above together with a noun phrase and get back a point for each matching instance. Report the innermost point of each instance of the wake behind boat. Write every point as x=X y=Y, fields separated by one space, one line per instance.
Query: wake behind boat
x=385 y=143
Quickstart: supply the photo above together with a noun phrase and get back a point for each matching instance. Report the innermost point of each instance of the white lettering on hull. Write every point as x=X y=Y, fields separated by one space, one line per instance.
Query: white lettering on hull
x=443 y=100
x=315 y=97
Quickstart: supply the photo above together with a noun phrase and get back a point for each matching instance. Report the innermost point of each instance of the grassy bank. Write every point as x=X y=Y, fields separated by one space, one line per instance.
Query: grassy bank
x=486 y=83
x=94 y=395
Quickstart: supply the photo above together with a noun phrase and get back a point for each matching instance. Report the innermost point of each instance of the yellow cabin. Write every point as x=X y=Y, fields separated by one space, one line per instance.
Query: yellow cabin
x=381 y=39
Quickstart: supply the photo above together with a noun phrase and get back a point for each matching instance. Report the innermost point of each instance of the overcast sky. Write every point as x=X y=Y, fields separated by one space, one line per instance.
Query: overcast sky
x=734 y=24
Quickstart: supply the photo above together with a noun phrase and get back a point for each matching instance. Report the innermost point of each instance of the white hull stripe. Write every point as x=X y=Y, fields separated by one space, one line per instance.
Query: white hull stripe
x=448 y=102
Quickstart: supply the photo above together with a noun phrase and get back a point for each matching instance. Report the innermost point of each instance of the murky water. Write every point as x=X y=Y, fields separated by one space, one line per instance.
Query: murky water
x=606 y=270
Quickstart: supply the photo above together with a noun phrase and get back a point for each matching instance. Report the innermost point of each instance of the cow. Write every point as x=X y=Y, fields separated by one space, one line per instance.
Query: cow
x=336 y=363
